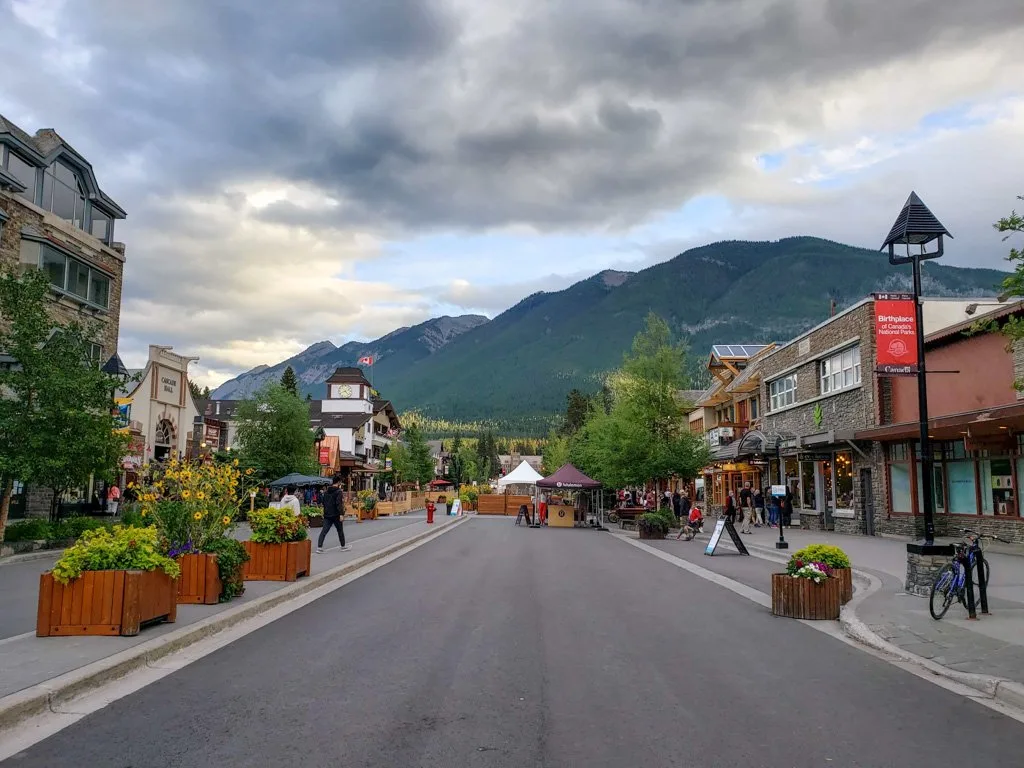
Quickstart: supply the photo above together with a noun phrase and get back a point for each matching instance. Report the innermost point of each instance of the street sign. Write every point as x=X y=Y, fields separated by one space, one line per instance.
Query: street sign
x=716 y=535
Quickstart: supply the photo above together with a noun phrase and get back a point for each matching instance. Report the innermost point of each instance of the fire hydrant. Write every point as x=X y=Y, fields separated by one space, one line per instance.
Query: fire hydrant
x=430 y=511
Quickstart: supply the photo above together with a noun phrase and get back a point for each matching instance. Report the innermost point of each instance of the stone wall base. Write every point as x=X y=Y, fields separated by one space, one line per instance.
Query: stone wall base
x=849 y=525
x=924 y=565
x=811 y=521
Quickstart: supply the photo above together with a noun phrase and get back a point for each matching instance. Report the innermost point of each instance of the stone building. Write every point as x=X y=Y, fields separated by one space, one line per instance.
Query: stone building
x=55 y=217
x=976 y=424
x=821 y=398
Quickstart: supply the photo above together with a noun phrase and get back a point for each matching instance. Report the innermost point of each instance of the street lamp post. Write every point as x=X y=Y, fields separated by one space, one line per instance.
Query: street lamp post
x=319 y=436
x=915 y=227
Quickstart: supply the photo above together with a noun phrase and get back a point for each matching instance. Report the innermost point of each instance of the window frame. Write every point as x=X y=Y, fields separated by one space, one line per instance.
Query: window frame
x=30 y=190
x=781 y=397
x=834 y=367
x=63 y=289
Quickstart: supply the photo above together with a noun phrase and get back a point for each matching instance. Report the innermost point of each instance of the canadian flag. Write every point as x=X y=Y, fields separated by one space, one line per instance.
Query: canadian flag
x=366 y=360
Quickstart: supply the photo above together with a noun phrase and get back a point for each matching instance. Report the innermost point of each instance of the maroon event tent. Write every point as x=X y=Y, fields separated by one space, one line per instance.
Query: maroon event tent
x=568 y=477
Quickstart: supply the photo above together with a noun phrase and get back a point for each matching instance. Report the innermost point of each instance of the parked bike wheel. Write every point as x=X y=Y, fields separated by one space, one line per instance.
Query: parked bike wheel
x=942 y=594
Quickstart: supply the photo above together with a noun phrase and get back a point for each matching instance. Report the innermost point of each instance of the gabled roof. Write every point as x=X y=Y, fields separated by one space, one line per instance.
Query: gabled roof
x=348 y=375
x=329 y=420
x=736 y=351
x=747 y=380
x=45 y=147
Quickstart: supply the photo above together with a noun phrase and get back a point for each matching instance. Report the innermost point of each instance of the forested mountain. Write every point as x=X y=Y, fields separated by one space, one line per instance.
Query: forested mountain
x=515 y=370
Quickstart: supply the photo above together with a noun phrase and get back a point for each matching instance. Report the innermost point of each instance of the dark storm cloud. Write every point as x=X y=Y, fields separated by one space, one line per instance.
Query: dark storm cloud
x=571 y=114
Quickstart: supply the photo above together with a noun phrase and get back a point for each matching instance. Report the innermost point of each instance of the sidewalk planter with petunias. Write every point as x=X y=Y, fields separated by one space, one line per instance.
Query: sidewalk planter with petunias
x=194 y=507
x=810 y=588
x=834 y=558
x=110 y=582
x=279 y=549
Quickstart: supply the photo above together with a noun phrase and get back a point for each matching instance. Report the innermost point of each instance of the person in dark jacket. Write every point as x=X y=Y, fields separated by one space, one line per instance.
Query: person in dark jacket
x=676 y=499
x=787 y=508
x=334 y=512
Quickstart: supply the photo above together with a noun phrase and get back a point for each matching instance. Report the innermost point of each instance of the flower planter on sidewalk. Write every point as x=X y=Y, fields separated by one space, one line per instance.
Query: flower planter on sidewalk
x=105 y=603
x=277 y=562
x=799 y=598
x=845 y=577
x=199 y=582
x=645 y=534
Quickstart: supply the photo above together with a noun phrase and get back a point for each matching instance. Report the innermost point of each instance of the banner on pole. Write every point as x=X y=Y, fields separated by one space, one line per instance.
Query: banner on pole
x=895 y=334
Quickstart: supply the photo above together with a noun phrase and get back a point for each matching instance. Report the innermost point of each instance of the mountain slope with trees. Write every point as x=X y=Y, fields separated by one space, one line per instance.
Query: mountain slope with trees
x=514 y=372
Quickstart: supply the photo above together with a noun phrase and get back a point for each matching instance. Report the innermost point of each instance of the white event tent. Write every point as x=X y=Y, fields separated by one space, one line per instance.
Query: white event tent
x=524 y=474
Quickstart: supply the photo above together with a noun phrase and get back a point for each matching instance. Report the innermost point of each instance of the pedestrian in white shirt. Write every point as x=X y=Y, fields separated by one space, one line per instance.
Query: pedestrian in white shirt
x=291 y=501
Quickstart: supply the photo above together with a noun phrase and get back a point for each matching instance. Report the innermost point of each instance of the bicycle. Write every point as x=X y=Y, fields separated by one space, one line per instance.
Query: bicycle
x=951 y=582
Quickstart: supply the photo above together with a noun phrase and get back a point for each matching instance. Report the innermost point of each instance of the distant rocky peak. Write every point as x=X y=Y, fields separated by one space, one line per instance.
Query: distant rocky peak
x=613 y=278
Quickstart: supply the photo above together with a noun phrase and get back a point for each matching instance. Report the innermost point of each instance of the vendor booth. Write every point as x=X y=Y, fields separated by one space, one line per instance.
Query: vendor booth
x=572 y=499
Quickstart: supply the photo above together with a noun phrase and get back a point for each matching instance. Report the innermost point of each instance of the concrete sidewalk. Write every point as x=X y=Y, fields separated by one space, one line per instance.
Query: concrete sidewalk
x=992 y=646
x=26 y=660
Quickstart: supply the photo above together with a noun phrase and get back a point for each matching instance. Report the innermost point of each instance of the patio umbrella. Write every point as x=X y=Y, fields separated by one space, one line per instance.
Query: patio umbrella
x=296 y=479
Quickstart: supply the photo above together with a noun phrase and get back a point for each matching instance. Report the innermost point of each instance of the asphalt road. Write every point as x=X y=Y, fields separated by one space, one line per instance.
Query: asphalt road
x=504 y=646
x=19 y=579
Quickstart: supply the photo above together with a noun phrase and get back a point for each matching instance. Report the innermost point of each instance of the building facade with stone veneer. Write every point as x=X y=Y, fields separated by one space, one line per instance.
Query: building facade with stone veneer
x=821 y=398
x=55 y=217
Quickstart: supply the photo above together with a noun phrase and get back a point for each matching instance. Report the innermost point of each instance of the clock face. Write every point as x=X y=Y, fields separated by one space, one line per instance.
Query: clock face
x=346 y=390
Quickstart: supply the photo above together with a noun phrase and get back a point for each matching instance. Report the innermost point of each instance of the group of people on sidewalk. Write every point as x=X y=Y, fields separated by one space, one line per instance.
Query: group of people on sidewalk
x=758 y=510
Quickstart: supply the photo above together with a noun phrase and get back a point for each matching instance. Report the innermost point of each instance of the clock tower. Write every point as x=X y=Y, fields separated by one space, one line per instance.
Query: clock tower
x=348 y=391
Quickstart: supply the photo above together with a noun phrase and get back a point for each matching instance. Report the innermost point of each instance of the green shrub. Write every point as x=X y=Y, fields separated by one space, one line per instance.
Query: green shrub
x=275 y=525
x=831 y=556
x=132 y=517
x=652 y=523
x=666 y=514
x=73 y=527
x=312 y=512
x=114 y=549
x=29 y=530
x=231 y=555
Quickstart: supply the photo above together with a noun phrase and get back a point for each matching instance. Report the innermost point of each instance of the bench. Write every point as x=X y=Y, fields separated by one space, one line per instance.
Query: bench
x=628 y=515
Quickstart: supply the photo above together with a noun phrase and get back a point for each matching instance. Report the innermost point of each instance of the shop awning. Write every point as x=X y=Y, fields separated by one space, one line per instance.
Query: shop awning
x=988 y=422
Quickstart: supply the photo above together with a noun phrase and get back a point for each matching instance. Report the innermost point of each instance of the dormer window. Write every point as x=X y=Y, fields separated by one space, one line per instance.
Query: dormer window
x=24 y=172
x=64 y=194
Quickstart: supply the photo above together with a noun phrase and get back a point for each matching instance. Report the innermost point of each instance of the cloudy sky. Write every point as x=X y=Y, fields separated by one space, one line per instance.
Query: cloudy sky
x=313 y=169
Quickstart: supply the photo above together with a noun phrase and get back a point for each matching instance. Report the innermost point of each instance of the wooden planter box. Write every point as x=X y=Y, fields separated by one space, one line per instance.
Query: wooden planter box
x=277 y=562
x=105 y=603
x=803 y=599
x=845 y=578
x=367 y=515
x=651 y=534
x=199 y=582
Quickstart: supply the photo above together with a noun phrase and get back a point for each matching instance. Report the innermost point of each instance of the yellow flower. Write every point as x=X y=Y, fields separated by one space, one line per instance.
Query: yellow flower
x=186 y=494
x=144 y=512
x=200 y=495
x=197 y=516
x=248 y=471
x=234 y=463
x=226 y=520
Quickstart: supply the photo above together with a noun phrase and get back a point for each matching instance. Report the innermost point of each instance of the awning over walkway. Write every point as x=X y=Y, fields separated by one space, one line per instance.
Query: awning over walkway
x=568 y=477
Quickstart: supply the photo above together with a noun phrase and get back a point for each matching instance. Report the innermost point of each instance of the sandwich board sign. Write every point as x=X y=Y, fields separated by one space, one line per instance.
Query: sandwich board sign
x=724 y=526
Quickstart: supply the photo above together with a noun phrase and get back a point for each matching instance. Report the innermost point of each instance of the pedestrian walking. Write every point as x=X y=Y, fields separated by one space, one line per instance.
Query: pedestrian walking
x=774 y=511
x=787 y=508
x=746 y=508
x=729 y=513
x=677 y=507
x=334 y=511
x=759 y=520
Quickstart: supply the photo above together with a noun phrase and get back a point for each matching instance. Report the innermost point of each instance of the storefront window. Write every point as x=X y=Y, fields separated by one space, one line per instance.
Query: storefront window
x=826 y=484
x=996 y=486
x=808 y=498
x=899 y=478
x=844 y=480
x=938 y=489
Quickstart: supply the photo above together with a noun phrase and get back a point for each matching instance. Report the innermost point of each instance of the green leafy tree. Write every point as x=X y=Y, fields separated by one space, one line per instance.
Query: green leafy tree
x=289 y=381
x=56 y=421
x=274 y=435
x=643 y=436
x=400 y=462
x=1013 y=285
x=556 y=452
x=456 y=463
x=469 y=461
x=198 y=393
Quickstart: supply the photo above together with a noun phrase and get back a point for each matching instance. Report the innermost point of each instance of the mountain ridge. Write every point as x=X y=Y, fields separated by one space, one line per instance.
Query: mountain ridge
x=515 y=369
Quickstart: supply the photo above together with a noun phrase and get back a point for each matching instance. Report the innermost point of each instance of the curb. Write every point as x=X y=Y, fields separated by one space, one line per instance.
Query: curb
x=27 y=557
x=45 y=697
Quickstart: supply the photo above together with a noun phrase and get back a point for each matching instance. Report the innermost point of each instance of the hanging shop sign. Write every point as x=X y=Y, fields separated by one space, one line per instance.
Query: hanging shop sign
x=814 y=457
x=895 y=334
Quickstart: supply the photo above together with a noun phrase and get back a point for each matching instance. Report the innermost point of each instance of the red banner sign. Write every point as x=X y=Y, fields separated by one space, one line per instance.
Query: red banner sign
x=325 y=455
x=895 y=334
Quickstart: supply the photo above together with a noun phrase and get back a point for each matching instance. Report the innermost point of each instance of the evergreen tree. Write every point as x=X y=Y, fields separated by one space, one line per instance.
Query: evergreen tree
x=289 y=381
x=577 y=409
x=420 y=461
